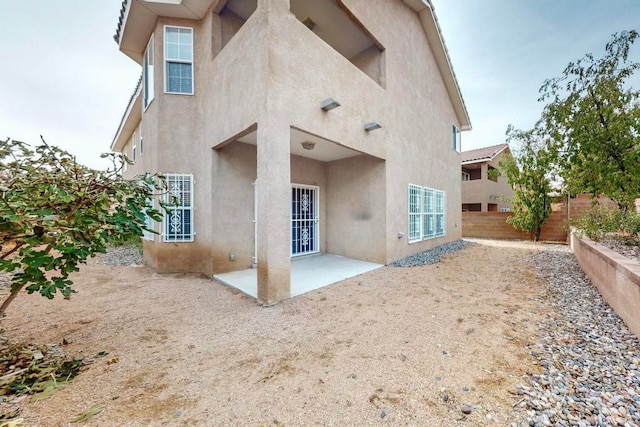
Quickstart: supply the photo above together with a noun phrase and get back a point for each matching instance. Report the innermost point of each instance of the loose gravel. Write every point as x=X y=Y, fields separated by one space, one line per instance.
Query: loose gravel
x=121 y=255
x=590 y=360
x=431 y=256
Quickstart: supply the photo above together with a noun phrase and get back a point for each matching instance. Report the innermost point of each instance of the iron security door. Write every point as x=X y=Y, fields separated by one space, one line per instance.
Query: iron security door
x=304 y=220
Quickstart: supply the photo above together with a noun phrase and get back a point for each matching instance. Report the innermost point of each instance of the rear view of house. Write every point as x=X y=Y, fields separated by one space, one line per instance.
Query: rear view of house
x=292 y=127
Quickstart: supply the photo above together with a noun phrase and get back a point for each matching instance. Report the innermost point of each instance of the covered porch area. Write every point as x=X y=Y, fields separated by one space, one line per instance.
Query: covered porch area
x=308 y=273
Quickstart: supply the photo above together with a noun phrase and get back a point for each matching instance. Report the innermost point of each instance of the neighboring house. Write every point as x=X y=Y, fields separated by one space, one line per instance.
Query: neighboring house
x=236 y=107
x=484 y=189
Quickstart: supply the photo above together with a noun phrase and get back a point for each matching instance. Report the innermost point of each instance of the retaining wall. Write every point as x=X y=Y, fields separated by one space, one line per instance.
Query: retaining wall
x=616 y=277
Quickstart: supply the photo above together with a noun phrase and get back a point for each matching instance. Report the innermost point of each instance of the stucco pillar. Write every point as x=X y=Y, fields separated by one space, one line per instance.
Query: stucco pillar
x=274 y=211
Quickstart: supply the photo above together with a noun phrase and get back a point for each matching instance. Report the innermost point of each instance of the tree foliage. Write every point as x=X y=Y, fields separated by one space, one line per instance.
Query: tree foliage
x=55 y=214
x=527 y=172
x=593 y=123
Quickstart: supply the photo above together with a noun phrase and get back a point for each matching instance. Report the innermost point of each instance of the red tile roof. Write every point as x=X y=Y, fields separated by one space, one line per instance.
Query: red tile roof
x=483 y=154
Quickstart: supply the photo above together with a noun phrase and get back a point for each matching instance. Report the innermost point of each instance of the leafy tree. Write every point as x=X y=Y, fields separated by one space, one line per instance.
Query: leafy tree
x=527 y=172
x=55 y=214
x=593 y=121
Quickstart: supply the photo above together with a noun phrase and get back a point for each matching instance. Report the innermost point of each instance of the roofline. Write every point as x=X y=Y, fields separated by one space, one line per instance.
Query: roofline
x=132 y=112
x=431 y=26
x=485 y=159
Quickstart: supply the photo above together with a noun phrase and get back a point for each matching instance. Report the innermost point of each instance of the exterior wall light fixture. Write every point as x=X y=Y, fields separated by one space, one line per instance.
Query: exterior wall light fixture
x=372 y=126
x=330 y=104
x=308 y=145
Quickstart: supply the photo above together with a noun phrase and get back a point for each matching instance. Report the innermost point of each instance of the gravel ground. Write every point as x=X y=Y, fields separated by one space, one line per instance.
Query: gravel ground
x=432 y=256
x=121 y=255
x=630 y=251
x=591 y=360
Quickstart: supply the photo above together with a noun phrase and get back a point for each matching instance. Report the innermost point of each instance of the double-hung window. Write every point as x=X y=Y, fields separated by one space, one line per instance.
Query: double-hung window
x=426 y=213
x=455 y=143
x=178 y=58
x=147 y=72
x=178 y=220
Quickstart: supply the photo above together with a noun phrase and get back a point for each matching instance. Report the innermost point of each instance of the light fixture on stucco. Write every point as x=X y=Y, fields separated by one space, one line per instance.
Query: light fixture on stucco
x=372 y=126
x=330 y=104
x=308 y=145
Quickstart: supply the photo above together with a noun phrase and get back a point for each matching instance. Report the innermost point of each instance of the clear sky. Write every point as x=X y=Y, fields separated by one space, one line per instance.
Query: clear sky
x=63 y=77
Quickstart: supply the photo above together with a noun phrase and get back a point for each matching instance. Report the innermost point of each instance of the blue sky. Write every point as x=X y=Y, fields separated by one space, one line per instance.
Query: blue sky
x=63 y=77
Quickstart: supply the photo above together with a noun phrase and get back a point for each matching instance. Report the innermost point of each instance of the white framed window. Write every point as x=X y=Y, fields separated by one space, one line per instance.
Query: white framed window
x=141 y=141
x=465 y=176
x=134 y=146
x=178 y=59
x=149 y=223
x=456 y=143
x=178 y=221
x=415 y=213
x=147 y=71
x=427 y=214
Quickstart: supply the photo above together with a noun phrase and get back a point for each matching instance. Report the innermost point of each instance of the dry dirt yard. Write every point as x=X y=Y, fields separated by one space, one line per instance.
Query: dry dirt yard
x=397 y=346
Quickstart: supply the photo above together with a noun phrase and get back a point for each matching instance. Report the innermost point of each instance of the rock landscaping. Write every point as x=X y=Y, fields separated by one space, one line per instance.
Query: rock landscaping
x=590 y=360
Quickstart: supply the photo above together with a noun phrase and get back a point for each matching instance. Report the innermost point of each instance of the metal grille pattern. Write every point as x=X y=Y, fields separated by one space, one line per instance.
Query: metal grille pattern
x=178 y=222
x=304 y=220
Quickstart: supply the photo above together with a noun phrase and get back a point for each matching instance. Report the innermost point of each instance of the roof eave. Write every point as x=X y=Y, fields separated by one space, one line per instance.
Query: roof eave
x=138 y=19
x=430 y=24
x=129 y=121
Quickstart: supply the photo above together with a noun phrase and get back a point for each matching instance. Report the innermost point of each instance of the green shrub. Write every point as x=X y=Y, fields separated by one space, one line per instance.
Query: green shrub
x=603 y=222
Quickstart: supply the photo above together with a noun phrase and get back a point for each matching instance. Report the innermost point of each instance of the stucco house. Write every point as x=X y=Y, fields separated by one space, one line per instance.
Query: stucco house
x=292 y=127
x=484 y=189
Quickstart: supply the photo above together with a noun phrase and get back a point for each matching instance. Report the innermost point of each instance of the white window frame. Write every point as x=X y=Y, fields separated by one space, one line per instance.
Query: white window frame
x=456 y=143
x=427 y=213
x=185 y=206
x=466 y=176
x=134 y=146
x=415 y=213
x=141 y=141
x=168 y=60
x=148 y=76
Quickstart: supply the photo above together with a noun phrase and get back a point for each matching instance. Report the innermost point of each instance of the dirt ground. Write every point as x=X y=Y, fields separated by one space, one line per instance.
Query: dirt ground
x=397 y=346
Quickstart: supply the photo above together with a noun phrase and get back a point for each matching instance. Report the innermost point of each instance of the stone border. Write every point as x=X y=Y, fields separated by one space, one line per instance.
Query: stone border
x=616 y=277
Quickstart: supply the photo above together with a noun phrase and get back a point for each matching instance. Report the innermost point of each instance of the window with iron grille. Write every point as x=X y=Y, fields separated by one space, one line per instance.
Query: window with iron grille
x=427 y=217
x=178 y=221
x=178 y=58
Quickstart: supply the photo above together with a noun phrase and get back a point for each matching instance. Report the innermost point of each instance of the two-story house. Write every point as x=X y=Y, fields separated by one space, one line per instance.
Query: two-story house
x=292 y=127
x=484 y=189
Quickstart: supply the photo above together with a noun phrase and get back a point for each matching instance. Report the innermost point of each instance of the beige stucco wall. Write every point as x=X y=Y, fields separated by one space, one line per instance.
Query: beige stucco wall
x=486 y=191
x=274 y=73
x=356 y=208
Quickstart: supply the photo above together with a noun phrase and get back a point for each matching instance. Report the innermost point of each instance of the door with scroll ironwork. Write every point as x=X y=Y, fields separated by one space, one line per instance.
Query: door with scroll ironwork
x=304 y=220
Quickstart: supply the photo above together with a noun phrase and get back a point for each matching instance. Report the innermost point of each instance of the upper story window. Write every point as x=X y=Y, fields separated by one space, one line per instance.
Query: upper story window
x=133 y=147
x=141 y=141
x=455 y=144
x=147 y=71
x=178 y=58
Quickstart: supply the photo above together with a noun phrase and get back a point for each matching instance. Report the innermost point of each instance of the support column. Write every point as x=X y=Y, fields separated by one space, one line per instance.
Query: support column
x=274 y=211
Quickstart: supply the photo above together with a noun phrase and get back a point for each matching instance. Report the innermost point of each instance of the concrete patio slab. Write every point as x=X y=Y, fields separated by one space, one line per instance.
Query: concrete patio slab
x=307 y=273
